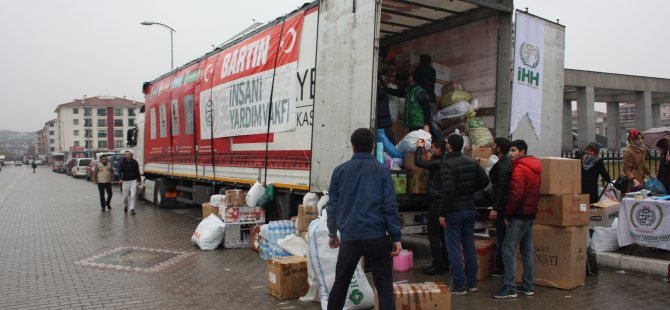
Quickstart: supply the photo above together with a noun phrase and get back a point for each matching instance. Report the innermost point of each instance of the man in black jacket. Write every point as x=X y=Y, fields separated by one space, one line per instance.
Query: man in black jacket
x=500 y=175
x=461 y=177
x=129 y=172
x=438 y=249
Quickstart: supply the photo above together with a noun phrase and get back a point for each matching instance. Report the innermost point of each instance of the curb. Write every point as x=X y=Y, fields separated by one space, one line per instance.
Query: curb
x=634 y=263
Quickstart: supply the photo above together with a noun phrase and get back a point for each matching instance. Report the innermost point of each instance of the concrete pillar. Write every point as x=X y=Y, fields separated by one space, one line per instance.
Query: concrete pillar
x=655 y=115
x=643 y=110
x=566 y=144
x=614 y=131
x=586 y=117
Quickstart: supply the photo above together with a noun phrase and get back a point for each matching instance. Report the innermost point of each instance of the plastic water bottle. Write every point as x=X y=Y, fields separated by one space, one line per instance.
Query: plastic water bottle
x=379 y=152
x=273 y=232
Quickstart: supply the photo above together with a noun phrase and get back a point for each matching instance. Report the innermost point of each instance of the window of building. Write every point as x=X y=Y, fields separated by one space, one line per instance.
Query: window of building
x=89 y=144
x=102 y=112
x=75 y=111
x=52 y=149
x=88 y=122
x=51 y=133
x=75 y=121
x=102 y=133
x=118 y=123
x=131 y=112
x=88 y=112
x=102 y=144
x=76 y=133
x=52 y=141
x=118 y=144
x=118 y=112
x=88 y=133
x=118 y=133
x=131 y=122
x=76 y=143
x=102 y=123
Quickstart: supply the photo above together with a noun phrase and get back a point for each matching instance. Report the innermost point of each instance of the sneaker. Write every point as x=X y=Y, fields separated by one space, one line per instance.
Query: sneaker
x=472 y=289
x=505 y=292
x=132 y=212
x=525 y=291
x=498 y=273
x=108 y=207
x=459 y=291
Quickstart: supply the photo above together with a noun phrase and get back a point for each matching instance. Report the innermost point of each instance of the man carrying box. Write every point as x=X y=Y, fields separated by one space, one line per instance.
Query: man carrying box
x=362 y=206
x=521 y=209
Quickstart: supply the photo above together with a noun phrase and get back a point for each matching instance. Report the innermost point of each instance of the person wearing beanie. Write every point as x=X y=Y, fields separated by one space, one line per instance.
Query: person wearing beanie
x=634 y=166
x=461 y=177
x=592 y=168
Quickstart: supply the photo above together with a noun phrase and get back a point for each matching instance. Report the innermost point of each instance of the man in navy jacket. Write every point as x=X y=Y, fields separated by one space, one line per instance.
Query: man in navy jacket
x=362 y=206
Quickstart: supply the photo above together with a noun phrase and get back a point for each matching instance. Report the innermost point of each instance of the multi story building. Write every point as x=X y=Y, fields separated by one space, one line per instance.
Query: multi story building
x=95 y=124
x=53 y=138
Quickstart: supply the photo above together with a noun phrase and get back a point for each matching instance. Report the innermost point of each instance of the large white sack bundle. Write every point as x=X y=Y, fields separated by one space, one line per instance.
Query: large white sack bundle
x=409 y=141
x=209 y=233
x=294 y=245
x=324 y=259
x=254 y=194
x=310 y=199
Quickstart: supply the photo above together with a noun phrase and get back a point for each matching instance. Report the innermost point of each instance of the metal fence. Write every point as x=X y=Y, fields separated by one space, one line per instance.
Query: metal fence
x=613 y=161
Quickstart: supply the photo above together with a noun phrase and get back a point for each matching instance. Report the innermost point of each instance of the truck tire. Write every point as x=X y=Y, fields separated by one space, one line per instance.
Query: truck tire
x=160 y=189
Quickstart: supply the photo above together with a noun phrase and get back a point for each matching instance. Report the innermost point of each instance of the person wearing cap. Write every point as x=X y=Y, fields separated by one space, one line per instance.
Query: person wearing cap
x=592 y=168
x=634 y=166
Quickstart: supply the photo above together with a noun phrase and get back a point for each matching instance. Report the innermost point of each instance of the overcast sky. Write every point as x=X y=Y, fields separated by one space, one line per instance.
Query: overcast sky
x=52 y=52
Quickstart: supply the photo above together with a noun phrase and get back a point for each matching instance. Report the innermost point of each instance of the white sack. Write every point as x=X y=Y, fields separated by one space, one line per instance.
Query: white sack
x=254 y=194
x=209 y=233
x=310 y=199
x=294 y=245
x=408 y=143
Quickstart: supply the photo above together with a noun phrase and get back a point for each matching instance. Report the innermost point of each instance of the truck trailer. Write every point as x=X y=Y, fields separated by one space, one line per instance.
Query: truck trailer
x=279 y=103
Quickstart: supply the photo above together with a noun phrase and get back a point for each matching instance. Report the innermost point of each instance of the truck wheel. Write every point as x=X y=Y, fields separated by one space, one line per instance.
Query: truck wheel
x=159 y=193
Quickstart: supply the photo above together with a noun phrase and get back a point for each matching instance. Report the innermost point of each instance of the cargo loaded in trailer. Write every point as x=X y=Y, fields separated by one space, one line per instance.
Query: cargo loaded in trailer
x=278 y=104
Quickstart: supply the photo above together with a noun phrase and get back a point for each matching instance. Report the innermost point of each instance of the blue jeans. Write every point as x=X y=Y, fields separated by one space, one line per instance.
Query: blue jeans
x=519 y=233
x=460 y=231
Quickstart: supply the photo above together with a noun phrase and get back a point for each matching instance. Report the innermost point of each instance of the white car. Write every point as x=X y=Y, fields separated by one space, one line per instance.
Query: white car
x=79 y=168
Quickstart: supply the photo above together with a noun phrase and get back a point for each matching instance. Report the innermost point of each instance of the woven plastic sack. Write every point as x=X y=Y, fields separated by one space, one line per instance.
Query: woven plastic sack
x=455 y=96
x=481 y=136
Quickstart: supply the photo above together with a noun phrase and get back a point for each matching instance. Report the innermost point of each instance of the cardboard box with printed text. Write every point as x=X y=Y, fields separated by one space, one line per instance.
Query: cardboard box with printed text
x=563 y=210
x=287 y=277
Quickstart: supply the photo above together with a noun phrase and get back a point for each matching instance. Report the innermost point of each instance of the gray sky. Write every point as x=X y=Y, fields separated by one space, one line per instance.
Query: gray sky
x=52 y=52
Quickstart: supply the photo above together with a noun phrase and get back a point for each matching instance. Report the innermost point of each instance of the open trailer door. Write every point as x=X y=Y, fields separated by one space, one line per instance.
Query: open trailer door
x=345 y=68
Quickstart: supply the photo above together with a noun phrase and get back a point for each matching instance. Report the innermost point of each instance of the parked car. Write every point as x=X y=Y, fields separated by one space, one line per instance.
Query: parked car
x=89 y=170
x=116 y=163
x=58 y=167
x=17 y=163
x=69 y=166
x=39 y=162
x=79 y=167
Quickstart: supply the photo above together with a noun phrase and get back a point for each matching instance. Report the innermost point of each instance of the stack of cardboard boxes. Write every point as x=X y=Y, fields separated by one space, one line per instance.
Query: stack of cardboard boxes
x=417 y=178
x=240 y=220
x=560 y=228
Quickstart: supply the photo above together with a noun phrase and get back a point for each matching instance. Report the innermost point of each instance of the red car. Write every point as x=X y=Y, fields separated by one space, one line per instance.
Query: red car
x=89 y=170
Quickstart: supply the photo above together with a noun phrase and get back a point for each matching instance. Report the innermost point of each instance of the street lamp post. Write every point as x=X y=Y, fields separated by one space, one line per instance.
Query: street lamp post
x=147 y=23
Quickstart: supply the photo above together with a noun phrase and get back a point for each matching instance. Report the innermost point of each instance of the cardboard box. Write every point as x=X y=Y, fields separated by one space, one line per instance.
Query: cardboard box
x=603 y=213
x=408 y=161
x=559 y=256
x=208 y=209
x=563 y=210
x=287 y=277
x=235 y=198
x=560 y=176
x=399 y=182
x=483 y=162
x=399 y=130
x=306 y=214
x=255 y=243
x=420 y=296
x=486 y=257
x=238 y=235
x=417 y=181
x=476 y=151
x=243 y=215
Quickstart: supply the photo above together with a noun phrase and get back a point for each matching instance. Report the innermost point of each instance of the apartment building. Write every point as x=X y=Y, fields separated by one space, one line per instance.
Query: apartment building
x=90 y=125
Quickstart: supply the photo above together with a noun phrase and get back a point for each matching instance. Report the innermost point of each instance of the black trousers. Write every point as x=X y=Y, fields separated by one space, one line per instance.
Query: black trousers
x=438 y=247
x=102 y=187
x=379 y=262
x=501 y=231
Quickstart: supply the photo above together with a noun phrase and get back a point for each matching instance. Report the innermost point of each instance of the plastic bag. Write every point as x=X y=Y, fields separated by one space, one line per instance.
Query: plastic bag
x=323 y=202
x=455 y=110
x=254 y=194
x=481 y=136
x=605 y=239
x=218 y=200
x=294 y=245
x=267 y=198
x=323 y=260
x=388 y=146
x=655 y=186
x=409 y=141
x=310 y=199
x=455 y=96
x=209 y=233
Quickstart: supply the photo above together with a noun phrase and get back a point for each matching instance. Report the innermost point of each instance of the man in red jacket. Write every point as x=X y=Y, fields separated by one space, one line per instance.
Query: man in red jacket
x=524 y=195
